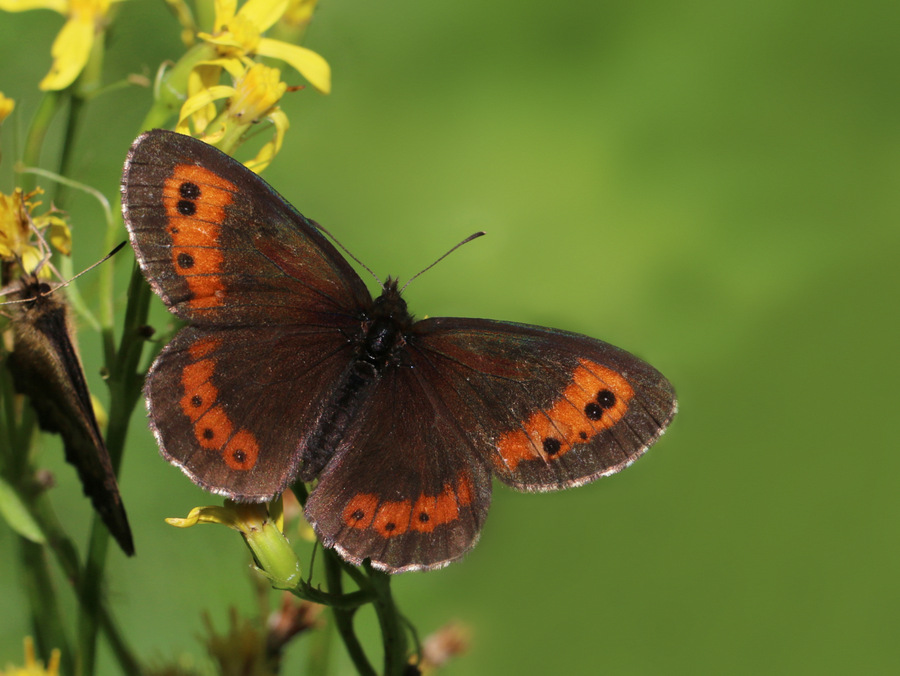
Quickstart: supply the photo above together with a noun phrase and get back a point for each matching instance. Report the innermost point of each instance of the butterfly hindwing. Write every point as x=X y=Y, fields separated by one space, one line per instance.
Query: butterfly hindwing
x=231 y=406
x=404 y=488
x=220 y=246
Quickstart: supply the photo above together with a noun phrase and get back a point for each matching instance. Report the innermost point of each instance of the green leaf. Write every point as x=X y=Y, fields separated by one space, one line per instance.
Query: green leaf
x=17 y=515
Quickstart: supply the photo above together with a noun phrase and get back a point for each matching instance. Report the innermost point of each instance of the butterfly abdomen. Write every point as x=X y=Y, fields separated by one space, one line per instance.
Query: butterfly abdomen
x=382 y=340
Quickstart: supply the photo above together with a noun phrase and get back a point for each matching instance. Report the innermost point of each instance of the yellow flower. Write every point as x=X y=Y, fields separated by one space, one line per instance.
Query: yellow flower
x=33 y=666
x=237 y=36
x=6 y=107
x=17 y=231
x=85 y=19
x=261 y=531
x=254 y=96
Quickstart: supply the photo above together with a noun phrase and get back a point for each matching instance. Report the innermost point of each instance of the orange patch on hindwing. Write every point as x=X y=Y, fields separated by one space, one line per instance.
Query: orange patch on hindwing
x=360 y=511
x=391 y=518
x=241 y=451
x=213 y=428
x=595 y=399
x=195 y=199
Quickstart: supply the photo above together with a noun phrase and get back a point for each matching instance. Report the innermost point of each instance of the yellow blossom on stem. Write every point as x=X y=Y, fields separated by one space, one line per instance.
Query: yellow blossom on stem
x=85 y=20
x=17 y=231
x=261 y=530
x=254 y=96
x=237 y=36
x=33 y=666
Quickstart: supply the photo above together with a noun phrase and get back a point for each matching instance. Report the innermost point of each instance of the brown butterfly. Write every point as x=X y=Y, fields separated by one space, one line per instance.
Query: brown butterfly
x=290 y=369
x=45 y=367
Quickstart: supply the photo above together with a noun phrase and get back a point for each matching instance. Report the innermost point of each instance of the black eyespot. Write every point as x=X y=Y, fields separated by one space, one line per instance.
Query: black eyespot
x=551 y=446
x=239 y=455
x=186 y=208
x=606 y=398
x=208 y=433
x=390 y=526
x=196 y=401
x=188 y=190
x=357 y=515
x=423 y=517
x=583 y=435
x=593 y=411
x=185 y=260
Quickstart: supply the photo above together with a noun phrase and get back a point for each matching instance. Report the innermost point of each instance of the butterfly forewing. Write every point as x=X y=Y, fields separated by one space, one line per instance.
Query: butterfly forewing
x=549 y=409
x=220 y=246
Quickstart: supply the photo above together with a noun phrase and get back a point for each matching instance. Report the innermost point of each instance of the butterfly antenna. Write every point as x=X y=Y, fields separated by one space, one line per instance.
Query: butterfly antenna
x=91 y=267
x=65 y=282
x=465 y=241
x=346 y=250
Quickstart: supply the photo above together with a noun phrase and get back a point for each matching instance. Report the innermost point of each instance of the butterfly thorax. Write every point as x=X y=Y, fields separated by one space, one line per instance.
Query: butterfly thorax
x=387 y=322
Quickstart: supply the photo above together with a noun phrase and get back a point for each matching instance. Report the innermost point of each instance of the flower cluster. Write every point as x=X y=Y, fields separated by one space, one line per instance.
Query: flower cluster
x=220 y=114
x=23 y=236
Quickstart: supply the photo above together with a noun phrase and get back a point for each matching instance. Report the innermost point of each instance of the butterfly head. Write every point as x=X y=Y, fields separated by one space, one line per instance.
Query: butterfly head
x=390 y=305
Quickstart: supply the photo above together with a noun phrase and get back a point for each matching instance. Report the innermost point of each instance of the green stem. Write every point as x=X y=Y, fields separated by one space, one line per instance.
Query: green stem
x=343 y=618
x=350 y=601
x=89 y=592
x=319 y=655
x=393 y=636
x=125 y=390
x=73 y=122
x=67 y=557
x=45 y=613
x=37 y=132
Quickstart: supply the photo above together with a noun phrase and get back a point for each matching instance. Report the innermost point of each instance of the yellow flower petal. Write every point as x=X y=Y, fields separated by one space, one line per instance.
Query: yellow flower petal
x=60 y=6
x=256 y=93
x=225 y=11
x=60 y=235
x=198 y=101
x=32 y=261
x=6 y=106
x=263 y=13
x=70 y=52
x=310 y=65
x=264 y=157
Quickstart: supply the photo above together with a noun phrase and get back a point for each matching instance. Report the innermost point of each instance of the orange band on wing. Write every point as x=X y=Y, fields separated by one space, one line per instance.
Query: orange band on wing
x=213 y=428
x=396 y=517
x=596 y=399
x=195 y=200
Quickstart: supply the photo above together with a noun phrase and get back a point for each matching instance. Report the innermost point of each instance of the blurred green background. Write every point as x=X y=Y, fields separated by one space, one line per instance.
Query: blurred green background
x=713 y=186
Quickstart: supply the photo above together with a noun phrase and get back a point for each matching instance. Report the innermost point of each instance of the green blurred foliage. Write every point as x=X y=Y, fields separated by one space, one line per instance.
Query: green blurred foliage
x=710 y=185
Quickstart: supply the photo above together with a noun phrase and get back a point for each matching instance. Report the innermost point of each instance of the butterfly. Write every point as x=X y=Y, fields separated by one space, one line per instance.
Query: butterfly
x=45 y=366
x=288 y=369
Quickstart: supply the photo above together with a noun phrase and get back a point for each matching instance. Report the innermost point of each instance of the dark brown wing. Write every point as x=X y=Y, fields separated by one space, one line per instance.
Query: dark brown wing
x=405 y=487
x=45 y=367
x=231 y=406
x=221 y=247
x=546 y=409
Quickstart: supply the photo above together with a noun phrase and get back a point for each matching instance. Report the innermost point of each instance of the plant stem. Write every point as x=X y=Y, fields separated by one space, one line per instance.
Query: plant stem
x=393 y=636
x=45 y=614
x=343 y=618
